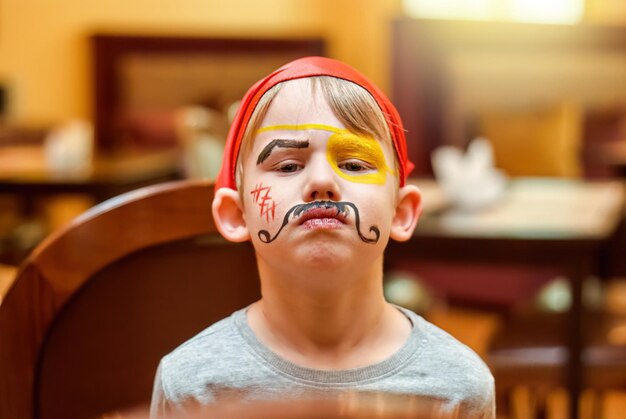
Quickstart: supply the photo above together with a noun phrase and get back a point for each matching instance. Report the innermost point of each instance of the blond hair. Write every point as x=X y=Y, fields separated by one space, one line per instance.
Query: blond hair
x=354 y=106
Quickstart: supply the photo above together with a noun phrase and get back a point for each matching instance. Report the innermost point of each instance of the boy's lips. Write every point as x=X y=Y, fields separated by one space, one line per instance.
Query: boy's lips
x=326 y=215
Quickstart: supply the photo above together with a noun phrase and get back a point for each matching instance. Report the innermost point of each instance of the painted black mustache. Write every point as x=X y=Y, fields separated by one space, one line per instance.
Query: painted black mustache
x=341 y=207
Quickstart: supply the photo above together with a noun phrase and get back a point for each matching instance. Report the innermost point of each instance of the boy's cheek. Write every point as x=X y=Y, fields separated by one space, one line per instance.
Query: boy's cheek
x=263 y=202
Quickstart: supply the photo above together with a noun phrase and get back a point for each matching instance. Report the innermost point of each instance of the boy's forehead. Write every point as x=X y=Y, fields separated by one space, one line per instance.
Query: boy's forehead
x=296 y=104
x=300 y=112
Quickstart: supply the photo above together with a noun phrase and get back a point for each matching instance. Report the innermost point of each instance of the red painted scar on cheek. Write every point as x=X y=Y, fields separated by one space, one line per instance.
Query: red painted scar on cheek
x=261 y=196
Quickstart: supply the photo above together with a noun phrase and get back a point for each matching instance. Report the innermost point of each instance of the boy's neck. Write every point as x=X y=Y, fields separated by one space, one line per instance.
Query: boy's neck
x=344 y=323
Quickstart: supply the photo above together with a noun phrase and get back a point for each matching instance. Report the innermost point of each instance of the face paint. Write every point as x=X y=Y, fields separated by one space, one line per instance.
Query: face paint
x=261 y=196
x=267 y=150
x=346 y=146
x=300 y=127
x=342 y=212
x=342 y=145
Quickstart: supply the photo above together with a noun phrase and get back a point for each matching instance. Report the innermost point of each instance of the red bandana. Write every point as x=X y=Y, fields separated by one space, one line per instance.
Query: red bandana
x=298 y=69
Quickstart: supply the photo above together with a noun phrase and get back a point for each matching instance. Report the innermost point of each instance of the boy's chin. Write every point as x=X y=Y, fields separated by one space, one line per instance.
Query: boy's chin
x=326 y=256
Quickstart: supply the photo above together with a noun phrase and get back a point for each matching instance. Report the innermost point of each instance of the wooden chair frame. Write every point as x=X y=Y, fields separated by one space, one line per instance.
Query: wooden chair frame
x=58 y=268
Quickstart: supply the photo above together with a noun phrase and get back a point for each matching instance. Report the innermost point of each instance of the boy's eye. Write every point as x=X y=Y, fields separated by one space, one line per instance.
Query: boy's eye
x=354 y=166
x=288 y=167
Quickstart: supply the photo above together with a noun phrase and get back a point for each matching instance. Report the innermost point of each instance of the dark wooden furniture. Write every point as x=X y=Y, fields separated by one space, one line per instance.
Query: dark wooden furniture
x=146 y=77
x=605 y=142
x=18 y=135
x=24 y=173
x=562 y=226
x=96 y=305
x=609 y=155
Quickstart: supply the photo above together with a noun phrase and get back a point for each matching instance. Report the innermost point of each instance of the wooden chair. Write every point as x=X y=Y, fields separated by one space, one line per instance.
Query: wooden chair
x=96 y=305
x=529 y=366
x=7 y=276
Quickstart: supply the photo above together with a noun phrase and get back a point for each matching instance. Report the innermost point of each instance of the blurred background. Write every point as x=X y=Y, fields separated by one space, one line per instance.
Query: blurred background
x=100 y=98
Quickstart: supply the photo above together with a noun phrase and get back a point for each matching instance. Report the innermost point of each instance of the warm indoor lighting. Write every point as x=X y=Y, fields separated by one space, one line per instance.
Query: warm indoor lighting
x=450 y=9
x=542 y=11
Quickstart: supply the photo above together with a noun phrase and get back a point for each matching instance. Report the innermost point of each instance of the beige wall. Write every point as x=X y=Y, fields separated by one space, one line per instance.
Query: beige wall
x=44 y=56
x=607 y=12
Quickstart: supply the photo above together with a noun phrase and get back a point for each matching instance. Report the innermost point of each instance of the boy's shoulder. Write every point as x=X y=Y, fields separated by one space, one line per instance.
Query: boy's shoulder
x=447 y=364
x=442 y=347
x=437 y=340
x=213 y=337
x=202 y=358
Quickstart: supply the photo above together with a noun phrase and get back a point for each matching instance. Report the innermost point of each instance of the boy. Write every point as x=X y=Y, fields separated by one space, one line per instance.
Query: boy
x=314 y=175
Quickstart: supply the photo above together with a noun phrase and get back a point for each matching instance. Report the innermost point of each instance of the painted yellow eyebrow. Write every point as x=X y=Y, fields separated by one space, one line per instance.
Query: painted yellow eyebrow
x=301 y=127
x=347 y=146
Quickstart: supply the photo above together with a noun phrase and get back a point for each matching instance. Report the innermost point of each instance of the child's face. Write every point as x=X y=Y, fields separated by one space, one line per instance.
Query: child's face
x=314 y=193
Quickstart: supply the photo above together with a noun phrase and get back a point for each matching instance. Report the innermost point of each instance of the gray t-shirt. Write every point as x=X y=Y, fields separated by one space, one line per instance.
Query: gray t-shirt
x=227 y=358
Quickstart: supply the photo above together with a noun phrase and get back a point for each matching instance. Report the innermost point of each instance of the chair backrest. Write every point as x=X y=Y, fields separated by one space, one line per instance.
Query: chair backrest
x=98 y=304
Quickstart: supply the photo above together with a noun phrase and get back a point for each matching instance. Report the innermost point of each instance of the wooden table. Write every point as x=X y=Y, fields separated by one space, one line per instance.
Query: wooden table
x=564 y=224
x=611 y=155
x=24 y=172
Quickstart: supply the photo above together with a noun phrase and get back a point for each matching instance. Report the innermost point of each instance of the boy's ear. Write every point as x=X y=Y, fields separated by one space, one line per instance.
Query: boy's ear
x=228 y=215
x=408 y=210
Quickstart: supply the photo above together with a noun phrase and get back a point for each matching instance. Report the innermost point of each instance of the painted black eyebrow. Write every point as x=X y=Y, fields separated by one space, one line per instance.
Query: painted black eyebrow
x=267 y=150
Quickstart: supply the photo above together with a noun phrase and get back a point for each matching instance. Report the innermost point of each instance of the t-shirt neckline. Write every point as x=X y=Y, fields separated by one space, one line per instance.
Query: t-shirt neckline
x=333 y=377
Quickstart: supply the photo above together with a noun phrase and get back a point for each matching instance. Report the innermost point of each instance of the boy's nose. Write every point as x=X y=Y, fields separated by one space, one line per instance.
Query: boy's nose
x=321 y=183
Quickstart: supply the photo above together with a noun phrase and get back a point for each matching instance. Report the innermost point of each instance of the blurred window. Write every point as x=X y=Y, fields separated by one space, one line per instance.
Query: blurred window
x=539 y=11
